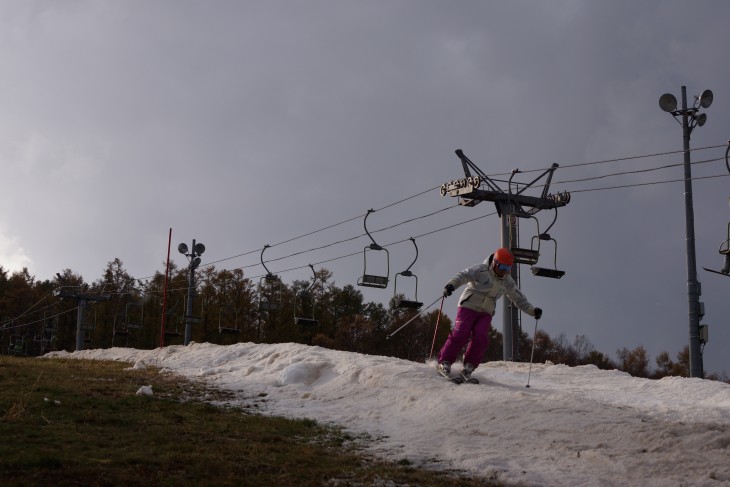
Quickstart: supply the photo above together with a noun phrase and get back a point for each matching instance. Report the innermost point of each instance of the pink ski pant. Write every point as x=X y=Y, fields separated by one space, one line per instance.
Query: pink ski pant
x=469 y=324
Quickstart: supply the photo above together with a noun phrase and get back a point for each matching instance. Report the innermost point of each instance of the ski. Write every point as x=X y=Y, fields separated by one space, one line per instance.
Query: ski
x=459 y=379
x=716 y=272
x=456 y=379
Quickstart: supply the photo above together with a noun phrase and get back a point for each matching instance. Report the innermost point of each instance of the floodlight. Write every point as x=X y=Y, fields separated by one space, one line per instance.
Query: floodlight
x=706 y=99
x=701 y=120
x=182 y=248
x=199 y=248
x=668 y=102
x=196 y=262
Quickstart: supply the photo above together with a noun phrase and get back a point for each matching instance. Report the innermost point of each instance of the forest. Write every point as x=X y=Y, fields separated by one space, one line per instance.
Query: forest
x=117 y=310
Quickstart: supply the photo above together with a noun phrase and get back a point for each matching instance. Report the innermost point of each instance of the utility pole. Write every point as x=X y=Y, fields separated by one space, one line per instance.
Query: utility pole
x=193 y=257
x=510 y=206
x=690 y=118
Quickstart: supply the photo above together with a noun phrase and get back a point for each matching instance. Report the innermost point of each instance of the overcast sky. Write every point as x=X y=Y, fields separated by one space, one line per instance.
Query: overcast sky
x=247 y=123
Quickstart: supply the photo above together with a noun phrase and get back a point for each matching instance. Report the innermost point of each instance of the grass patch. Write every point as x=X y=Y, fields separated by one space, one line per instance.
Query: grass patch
x=77 y=422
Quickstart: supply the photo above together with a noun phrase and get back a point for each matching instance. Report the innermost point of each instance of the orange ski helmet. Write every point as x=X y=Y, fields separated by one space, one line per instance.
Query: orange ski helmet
x=504 y=256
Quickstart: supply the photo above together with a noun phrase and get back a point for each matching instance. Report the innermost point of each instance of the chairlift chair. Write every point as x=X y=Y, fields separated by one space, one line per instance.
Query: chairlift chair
x=173 y=331
x=119 y=329
x=403 y=302
x=546 y=271
x=271 y=299
x=48 y=334
x=553 y=272
x=304 y=300
x=172 y=318
x=228 y=320
x=524 y=255
x=88 y=321
x=372 y=280
x=17 y=345
x=134 y=316
x=725 y=246
x=119 y=326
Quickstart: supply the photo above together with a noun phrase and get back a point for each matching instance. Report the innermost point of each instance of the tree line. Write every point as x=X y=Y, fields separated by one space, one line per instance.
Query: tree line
x=38 y=316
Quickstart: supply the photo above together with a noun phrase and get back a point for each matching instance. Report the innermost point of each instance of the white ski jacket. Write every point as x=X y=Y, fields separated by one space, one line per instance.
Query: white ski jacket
x=484 y=287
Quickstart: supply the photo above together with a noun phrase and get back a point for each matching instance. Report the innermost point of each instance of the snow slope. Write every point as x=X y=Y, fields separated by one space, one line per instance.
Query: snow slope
x=572 y=426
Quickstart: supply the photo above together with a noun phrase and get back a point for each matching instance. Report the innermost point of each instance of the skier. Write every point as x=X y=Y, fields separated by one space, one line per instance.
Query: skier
x=486 y=283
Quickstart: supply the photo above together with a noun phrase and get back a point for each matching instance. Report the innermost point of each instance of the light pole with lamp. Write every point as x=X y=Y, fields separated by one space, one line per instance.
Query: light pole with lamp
x=193 y=257
x=689 y=118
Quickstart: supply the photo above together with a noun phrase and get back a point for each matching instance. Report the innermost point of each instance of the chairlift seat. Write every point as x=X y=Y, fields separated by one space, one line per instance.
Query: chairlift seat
x=268 y=306
x=725 y=247
x=306 y=321
x=369 y=280
x=228 y=330
x=525 y=256
x=545 y=272
x=408 y=304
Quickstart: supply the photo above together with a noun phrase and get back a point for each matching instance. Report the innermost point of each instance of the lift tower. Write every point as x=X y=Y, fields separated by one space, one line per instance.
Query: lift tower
x=510 y=206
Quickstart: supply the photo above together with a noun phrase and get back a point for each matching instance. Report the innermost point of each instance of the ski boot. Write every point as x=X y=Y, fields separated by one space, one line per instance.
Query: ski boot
x=466 y=374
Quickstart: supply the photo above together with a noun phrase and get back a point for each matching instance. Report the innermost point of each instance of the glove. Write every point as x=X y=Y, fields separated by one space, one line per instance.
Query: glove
x=538 y=313
x=448 y=289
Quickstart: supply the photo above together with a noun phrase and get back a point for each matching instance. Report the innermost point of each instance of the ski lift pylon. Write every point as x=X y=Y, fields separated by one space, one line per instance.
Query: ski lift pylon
x=372 y=280
x=408 y=303
x=304 y=300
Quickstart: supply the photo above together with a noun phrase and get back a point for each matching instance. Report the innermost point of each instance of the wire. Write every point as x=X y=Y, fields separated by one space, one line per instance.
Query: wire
x=637 y=171
x=328 y=227
x=604 y=161
x=386 y=245
x=619 y=159
x=650 y=183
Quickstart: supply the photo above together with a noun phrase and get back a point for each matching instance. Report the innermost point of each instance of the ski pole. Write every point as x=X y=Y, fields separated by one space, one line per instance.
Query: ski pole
x=414 y=317
x=438 y=318
x=532 y=354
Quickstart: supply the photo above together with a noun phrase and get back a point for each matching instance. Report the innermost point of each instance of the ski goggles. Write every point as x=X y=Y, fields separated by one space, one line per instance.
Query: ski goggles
x=504 y=267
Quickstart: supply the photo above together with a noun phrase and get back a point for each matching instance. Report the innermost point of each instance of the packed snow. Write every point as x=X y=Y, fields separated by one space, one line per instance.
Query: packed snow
x=571 y=426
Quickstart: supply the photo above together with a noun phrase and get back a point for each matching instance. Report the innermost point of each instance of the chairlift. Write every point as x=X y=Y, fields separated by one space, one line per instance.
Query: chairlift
x=173 y=331
x=118 y=327
x=50 y=326
x=724 y=251
x=546 y=271
x=88 y=320
x=372 y=280
x=17 y=345
x=131 y=319
x=134 y=315
x=304 y=304
x=725 y=245
x=553 y=272
x=408 y=303
x=171 y=317
x=47 y=335
x=521 y=255
x=524 y=255
x=228 y=320
x=270 y=286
